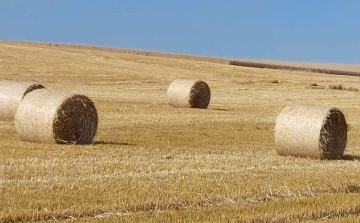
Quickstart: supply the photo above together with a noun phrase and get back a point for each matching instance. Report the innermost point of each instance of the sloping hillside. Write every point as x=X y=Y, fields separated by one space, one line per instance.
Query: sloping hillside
x=292 y=65
x=152 y=162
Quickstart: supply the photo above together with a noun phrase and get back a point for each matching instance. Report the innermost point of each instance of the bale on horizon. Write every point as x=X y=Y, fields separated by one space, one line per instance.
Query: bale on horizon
x=49 y=116
x=11 y=93
x=311 y=131
x=184 y=93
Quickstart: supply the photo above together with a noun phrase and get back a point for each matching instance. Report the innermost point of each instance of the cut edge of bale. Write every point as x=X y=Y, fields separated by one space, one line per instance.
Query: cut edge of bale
x=200 y=95
x=33 y=88
x=63 y=124
x=332 y=140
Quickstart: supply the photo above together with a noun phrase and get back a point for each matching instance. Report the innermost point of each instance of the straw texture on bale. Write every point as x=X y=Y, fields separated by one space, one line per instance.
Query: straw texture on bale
x=311 y=131
x=189 y=93
x=49 y=116
x=11 y=93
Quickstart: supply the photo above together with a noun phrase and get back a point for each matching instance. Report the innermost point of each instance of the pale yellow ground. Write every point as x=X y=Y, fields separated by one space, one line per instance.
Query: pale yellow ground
x=155 y=163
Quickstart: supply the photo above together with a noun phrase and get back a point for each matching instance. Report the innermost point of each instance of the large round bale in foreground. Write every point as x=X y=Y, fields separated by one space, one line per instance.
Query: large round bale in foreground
x=189 y=93
x=49 y=116
x=11 y=93
x=311 y=131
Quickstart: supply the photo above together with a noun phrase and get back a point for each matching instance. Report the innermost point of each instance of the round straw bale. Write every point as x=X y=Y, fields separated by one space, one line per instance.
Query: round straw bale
x=49 y=116
x=11 y=93
x=311 y=131
x=189 y=93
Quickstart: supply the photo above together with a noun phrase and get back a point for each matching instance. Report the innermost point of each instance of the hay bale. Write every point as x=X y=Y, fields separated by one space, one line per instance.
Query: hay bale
x=11 y=93
x=188 y=93
x=311 y=131
x=49 y=116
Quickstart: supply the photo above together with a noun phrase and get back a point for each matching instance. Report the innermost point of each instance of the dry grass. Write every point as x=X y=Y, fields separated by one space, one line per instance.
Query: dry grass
x=152 y=162
x=341 y=69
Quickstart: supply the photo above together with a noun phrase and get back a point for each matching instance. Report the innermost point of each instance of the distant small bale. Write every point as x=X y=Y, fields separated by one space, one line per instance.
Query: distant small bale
x=340 y=87
x=48 y=116
x=311 y=131
x=184 y=93
x=352 y=89
x=11 y=93
x=336 y=87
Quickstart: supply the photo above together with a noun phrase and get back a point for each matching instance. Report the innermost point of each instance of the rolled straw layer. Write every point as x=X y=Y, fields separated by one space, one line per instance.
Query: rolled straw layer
x=11 y=93
x=311 y=131
x=48 y=116
x=184 y=93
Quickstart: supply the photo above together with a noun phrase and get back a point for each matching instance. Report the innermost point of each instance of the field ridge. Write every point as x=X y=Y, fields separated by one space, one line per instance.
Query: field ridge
x=326 y=68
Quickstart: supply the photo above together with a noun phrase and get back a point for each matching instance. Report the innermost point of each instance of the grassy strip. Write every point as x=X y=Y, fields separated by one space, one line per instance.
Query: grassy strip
x=293 y=68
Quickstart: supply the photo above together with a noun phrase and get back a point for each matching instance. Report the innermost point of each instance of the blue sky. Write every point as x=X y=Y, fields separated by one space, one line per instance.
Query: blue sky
x=299 y=30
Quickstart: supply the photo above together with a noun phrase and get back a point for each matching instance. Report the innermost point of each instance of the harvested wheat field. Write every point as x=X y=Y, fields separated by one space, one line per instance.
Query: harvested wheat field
x=151 y=162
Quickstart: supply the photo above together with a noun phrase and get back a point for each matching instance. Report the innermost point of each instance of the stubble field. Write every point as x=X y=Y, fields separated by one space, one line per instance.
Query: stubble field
x=154 y=163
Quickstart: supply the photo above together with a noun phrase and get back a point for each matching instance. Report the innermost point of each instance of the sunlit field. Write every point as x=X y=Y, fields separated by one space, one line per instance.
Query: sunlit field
x=151 y=162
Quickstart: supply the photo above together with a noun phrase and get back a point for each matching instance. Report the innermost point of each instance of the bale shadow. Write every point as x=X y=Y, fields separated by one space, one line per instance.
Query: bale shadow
x=351 y=157
x=112 y=143
x=222 y=109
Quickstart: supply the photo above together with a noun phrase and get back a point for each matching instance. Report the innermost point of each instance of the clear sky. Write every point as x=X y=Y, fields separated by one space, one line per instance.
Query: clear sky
x=300 y=30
